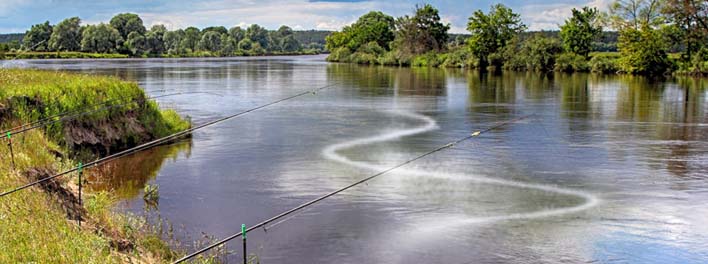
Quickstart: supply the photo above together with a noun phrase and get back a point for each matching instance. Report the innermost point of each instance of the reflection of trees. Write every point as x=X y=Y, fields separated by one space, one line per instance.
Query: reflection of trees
x=492 y=93
x=667 y=112
x=536 y=85
x=683 y=105
x=377 y=80
x=366 y=80
x=639 y=99
x=126 y=177
x=421 y=81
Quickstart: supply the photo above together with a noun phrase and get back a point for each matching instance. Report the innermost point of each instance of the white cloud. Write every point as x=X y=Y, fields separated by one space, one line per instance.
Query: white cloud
x=550 y=16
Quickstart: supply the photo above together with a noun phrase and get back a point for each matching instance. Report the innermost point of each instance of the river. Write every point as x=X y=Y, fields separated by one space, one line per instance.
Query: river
x=608 y=169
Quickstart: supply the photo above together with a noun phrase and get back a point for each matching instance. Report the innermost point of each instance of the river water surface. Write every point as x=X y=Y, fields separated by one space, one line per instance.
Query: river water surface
x=609 y=169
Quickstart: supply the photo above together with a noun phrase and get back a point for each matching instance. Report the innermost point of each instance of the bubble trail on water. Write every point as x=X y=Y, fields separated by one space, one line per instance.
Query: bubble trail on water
x=331 y=152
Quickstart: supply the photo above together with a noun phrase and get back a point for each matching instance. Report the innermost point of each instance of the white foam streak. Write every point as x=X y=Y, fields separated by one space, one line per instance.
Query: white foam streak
x=331 y=153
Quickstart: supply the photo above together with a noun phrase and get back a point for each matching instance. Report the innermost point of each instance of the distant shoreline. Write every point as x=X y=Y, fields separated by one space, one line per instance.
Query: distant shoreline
x=85 y=55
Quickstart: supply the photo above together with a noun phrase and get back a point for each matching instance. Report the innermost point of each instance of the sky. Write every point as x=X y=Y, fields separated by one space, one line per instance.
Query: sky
x=17 y=16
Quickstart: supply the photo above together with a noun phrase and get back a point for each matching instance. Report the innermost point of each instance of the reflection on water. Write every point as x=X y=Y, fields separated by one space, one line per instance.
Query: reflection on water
x=639 y=146
x=126 y=177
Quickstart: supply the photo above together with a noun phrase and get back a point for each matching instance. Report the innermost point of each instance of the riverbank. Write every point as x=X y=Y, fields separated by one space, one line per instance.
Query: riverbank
x=40 y=223
x=87 y=55
x=461 y=57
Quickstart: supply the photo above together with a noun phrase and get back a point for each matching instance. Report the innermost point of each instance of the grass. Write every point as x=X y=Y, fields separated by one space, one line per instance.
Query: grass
x=35 y=228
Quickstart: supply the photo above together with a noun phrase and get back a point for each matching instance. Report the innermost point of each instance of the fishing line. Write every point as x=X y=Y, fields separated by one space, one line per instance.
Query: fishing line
x=316 y=200
x=165 y=139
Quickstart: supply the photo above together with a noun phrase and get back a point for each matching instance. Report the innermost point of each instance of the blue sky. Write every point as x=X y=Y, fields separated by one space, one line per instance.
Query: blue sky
x=19 y=15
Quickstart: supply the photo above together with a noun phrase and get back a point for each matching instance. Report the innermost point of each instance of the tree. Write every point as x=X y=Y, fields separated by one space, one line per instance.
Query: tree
x=37 y=38
x=690 y=17
x=643 y=51
x=172 y=41
x=245 y=44
x=211 y=41
x=536 y=53
x=126 y=23
x=642 y=47
x=289 y=44
x=373 y=26
x=258 y=34
x=228 y=45
x=491 y=32
x=100 y=38
x=136 y=43
x=237 y=34
x=191 y=39
x=66 y=35
x=636 y=14
x=154 y=43
x=283 y=40
x=423 y=32
x=219 y=29
x=580 y=30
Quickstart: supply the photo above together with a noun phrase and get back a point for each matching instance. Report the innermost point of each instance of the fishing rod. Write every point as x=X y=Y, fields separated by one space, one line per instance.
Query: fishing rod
x=323 y=197
x=31 y=48
x=163 y=140
x=82 y=111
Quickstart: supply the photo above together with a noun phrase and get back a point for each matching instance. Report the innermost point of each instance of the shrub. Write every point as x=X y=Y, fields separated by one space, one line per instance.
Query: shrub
x=571 y=62
x=429 y=59
x=603 y=64
x=342 y=54
x=363 y=58
x=389 y=58
x=459 y=58
x=643 y=52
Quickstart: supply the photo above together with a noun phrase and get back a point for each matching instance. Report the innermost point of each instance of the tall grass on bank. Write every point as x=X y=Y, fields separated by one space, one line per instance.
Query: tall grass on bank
x=34 y=227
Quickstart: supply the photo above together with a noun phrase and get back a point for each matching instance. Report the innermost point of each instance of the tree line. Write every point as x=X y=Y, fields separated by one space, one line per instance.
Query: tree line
x=647 y=31
x=126 y=34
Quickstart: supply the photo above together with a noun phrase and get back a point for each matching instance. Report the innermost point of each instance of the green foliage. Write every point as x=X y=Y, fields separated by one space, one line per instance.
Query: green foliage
x=603 y=63
x=37 y=38
x=368 y=53
x=172 y=41
x=65 y=55
x=341 y=54
x=218 y=29
x=571 y=62
x=460 y=57
x=581 y=30
x=101 y=38
x=211 y=41
x=635 y=14
x=237 y=34
x=258 y=34
x=34 y=214
x=191 y=39
x=154 y=40
x=127 y=23
x=283 y=40
x=228 y=45
x=537 y=53
x=245 y=44
x=136 y=43
x=689 y=18
x=643 y=52
x=373 y=26
x=66 y=35
x=491 y=32
x=430 y=59
x=421 y=33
